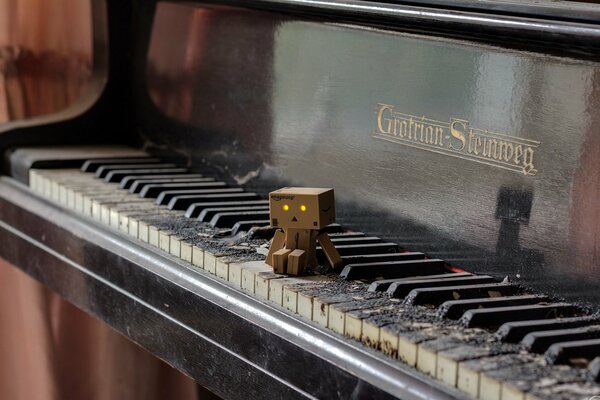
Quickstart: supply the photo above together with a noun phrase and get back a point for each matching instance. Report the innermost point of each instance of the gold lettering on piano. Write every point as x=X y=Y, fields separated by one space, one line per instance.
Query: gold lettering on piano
x=456 y=138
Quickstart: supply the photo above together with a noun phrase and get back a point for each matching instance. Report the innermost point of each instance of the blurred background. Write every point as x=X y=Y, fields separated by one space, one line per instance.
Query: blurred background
x=45 y=63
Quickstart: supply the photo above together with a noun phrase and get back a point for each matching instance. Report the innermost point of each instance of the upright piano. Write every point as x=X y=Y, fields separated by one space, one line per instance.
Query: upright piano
x=463 y=142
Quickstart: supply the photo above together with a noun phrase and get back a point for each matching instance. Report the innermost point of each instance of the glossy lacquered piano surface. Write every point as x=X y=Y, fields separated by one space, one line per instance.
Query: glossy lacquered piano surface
x=276 y=100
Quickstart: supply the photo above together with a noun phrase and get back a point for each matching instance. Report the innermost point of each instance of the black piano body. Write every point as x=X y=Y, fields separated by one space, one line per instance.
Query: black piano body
x=465 y=130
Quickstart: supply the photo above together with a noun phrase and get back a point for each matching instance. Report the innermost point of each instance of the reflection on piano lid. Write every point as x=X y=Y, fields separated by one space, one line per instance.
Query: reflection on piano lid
x=462 y=142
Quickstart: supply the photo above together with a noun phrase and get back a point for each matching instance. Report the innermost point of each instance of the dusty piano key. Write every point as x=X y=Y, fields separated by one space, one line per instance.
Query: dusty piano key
x=372 y=326
x=575 y=351
x=101 y=207
x=135 y=183
x=383 y=257
x=154 y=190
x=66 y=191
x=45 y=182
x=249 y=273
x=409 y=341
x=383 y=284
x=494 y=317
x=337 y=312
x=84 y=198
x=116 y=176
x=361 y=249
x=228 y=219
x=514 y=332
x=389 y=336
x=278 y=292
x=140 y=222
x=353 y=324
x=471 y=371
x=454 y=309
x=74 y=195
x=448 y=360
x=94 y=164
x=393 y=269
x=346 y=234
x=262 y=281
x=321 y=304
x=194 y=204
x=208 y=213
x=195 y=209
x=241 y=273
x=235 y=253
x=184 y=239
x=292 y=298
x=53 y=179
x=565 y=391
x=165 y=224
x=119 y=213
x=172 y=231
x=513 y=383
x=129 y=203
x=305 y=298
x=340 y=241
x=416 y=340
x=436 y=296
x=427 y=360
x=244 y=226
x=177 y=199
x=104 y=170
x=538 y=342
x=402 y=288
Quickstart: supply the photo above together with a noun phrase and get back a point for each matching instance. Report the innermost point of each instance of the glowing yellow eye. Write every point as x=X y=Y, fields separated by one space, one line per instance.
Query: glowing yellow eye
x=286 y=207
x=303 y=208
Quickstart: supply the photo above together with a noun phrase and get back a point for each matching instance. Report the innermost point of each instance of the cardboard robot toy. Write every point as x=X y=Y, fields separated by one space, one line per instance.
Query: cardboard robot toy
x=302 y=213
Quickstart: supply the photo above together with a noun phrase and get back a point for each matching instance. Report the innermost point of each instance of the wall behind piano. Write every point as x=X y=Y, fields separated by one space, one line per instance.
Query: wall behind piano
x=45 y=56
x=291 y=101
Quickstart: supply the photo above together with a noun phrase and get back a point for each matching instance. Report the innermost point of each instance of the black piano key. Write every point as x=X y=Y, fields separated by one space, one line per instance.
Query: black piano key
x=154 y=190
x=401 y=289
x=454 y=309
x=436 y=296
x=339 y=241
x=594 y=370
x=563 y=353
x=104 y=170
x=383 y=284
x=184 y=202
x=513 y=332
x=165 y=197
x=119 y=174
x=393 y=269
x=494 y=317
x=93 y=165
x=208 y=213
x=243 y=226
x=195 y=209
x=361 y=249
x=228 y=219
x=347 y=235
x=382 y=257
x=129 y=182
x=538 y=342
x=333 y=228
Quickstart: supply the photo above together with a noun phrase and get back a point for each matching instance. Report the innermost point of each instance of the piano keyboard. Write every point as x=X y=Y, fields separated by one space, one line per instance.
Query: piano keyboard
x=490 y=339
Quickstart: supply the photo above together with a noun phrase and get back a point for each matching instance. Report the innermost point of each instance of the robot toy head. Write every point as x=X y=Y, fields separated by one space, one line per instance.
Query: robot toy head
x=302 y=208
